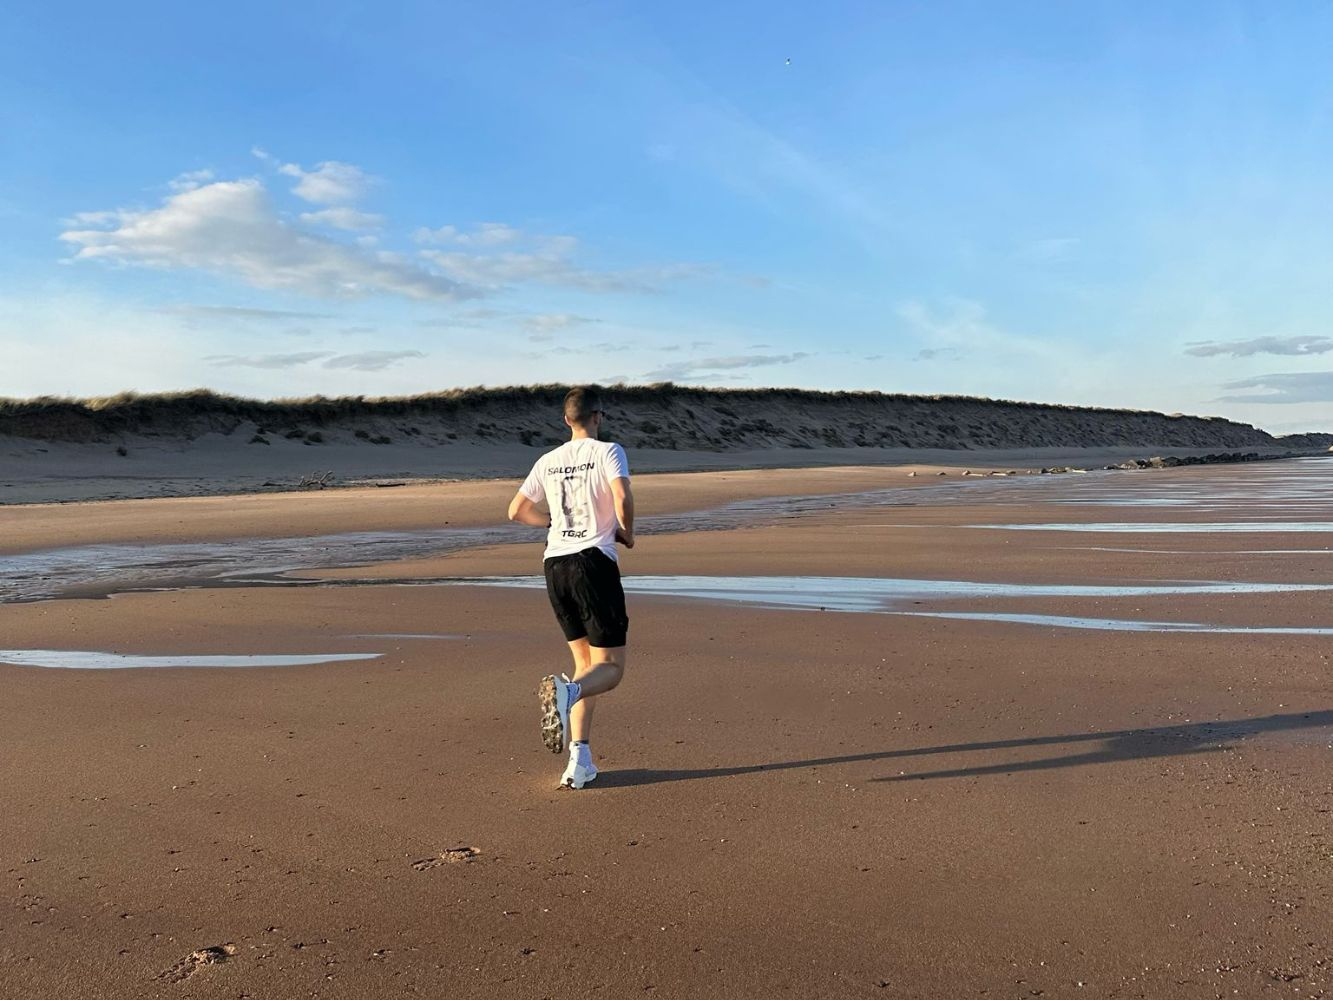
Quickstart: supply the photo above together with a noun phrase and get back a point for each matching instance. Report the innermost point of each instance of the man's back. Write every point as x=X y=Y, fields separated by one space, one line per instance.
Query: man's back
x=575 y=481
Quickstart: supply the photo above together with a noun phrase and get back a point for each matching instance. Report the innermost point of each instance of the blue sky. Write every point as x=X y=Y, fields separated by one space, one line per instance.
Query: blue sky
x=1111 y=204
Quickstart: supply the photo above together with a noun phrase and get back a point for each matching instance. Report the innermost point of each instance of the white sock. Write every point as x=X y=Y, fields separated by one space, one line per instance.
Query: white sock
x=580 y=753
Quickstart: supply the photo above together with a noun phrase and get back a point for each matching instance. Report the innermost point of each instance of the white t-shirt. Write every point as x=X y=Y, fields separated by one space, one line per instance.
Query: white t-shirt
x=575 y=480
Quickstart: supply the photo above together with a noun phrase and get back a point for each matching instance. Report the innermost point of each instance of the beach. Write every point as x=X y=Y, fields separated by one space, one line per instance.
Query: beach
x=908 y=736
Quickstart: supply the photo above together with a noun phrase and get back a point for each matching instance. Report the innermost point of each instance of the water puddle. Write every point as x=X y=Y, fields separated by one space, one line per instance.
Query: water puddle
x=854 y=593
x=98 y=570
x=104 y=569
x=1199 y=552
x=1170 y=527
x=77 y=659
x=1115 y=624
x=892 y=596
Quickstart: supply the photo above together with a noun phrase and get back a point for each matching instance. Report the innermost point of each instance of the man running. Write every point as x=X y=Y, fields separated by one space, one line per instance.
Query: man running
x=585 y=485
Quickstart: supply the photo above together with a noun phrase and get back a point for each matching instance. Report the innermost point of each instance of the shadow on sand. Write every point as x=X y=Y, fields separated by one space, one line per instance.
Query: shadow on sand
x=1113 y=747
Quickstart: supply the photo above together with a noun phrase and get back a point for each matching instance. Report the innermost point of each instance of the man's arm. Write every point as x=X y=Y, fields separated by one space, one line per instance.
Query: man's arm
x=524 y=511
x=624 y=497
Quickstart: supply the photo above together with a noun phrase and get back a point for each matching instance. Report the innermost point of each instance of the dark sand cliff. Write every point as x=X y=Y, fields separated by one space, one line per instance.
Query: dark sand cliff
x=201 y=442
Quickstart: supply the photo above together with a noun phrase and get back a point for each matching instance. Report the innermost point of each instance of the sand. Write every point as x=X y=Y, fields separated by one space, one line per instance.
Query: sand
x=802 y=803
x=34 y=470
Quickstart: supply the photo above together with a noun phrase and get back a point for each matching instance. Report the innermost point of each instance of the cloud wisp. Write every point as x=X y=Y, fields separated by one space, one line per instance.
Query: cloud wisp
x=545 y=326
x=240 y=312
x=343 y=217
x=366 y=361
x=271 y=362
x=1287 y=346
x=1282 y=387
x=231 y=228
x=371 y=361
x=549 y=262
x=330 y=183
x=964 y=327
x=485 y=234
x=704 y=369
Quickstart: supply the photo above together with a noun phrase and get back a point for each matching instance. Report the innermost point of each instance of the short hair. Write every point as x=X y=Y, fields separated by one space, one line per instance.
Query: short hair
x=581 y=403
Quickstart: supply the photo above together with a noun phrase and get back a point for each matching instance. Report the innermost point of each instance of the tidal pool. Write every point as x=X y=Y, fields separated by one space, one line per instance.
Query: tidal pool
x=1170 y=527
x=894 y=596
x=1299 y=487
x=87 y=659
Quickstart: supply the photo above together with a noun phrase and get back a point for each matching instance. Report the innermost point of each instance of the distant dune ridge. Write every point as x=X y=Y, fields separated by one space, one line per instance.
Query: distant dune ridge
x=664 y=416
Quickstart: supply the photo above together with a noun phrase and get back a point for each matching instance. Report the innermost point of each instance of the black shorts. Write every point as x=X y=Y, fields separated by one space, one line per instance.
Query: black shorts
x=587 y=598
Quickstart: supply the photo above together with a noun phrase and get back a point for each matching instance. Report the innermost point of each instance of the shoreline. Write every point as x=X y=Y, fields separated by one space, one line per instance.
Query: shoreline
x=225 y=468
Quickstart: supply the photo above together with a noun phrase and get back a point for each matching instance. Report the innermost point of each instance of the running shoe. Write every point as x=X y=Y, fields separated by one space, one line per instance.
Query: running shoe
x=554 y=695
x=577 y=775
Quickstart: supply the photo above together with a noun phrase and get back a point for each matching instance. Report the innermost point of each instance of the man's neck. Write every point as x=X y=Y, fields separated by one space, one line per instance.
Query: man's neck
x=580 y=436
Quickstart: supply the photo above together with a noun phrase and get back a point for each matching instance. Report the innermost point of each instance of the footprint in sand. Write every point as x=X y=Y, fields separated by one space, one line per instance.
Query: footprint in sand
x=196 y=960
x=453 y=856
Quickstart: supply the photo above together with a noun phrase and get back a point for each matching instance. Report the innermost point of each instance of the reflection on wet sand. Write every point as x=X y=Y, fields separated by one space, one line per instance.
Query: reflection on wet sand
x=871 y=595
x=98 y=570
x=1170 y=527
x=84 y=659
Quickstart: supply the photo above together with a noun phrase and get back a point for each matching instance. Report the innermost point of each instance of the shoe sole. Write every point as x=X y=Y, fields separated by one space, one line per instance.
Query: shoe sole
x=570 y=786
x=553 y=729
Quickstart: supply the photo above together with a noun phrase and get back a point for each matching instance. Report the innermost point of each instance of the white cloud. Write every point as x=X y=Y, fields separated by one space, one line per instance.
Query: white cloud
x=342 y=217
x=1286 y=387
x=445 y=234
x=240 y=312
x=486 y=234
x=712 y=368
x=545 y=259
x=545 y=325
x=230 y=228
x=106 y=218
x=371 y=361
x=367 y=361
x=270 y=361
x=190 y=180
x=1261 y=345
x=330 y=183
x=550 y=266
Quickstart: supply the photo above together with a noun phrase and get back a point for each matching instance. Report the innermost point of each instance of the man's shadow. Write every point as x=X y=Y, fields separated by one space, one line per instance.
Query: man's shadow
x=1114 y=747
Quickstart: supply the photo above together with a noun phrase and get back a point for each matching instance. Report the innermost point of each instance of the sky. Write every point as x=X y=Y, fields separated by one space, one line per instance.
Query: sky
x=1112 y=204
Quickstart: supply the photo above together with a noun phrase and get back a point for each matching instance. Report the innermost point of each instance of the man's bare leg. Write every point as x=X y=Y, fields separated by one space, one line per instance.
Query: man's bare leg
x=597 y=670
x=580 y=715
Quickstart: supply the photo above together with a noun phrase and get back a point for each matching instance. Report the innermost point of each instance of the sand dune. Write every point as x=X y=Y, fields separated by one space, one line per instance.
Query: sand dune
x=202 y=442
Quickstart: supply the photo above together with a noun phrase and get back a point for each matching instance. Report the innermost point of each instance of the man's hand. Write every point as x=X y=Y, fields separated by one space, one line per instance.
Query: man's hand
x=625 y=539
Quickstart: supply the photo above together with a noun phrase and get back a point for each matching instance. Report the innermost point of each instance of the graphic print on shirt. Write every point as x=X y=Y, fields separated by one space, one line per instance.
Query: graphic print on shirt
x=575 y=505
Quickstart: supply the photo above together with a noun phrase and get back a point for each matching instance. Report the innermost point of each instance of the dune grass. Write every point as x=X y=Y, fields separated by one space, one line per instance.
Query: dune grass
x=658 y=415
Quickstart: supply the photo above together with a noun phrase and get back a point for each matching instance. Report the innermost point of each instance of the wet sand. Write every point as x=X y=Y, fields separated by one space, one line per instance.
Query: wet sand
x=794 y=802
